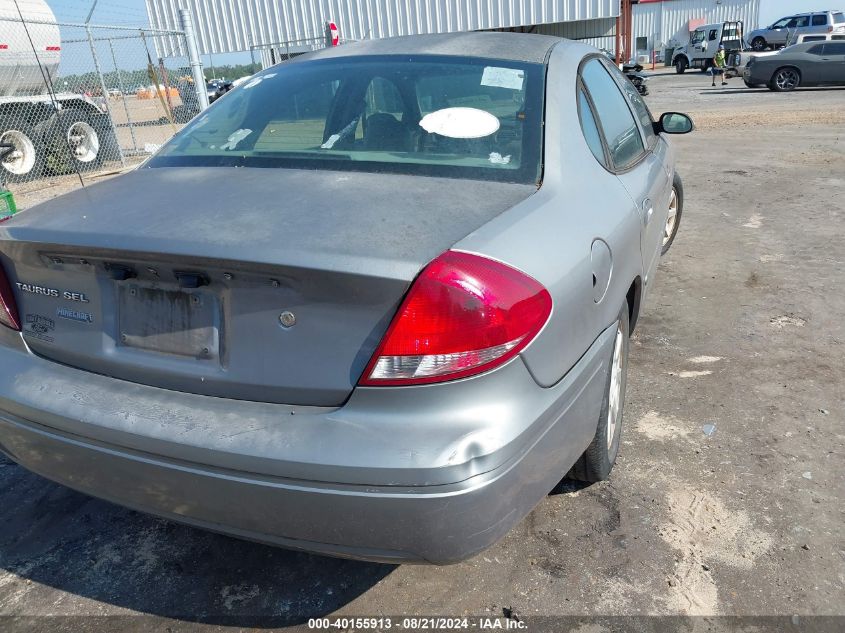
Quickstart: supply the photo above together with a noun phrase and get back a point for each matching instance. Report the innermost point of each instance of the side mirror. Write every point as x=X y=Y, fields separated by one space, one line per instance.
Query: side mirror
x=674 y=123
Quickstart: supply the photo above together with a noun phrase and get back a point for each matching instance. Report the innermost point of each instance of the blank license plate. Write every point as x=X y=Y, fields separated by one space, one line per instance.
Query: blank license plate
x=169 y=321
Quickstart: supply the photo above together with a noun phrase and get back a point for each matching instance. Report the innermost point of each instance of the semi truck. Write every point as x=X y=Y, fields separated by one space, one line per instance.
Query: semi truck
x=43 y=131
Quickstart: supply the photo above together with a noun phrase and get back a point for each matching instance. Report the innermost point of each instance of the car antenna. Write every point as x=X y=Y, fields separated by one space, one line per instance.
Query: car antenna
x=48 y=83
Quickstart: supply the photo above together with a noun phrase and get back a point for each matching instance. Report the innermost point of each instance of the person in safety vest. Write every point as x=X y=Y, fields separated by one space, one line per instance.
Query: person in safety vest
x=719 y=64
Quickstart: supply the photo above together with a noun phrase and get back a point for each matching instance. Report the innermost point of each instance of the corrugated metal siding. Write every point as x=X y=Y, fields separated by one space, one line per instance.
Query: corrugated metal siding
x=662 y=22
x=235 y=25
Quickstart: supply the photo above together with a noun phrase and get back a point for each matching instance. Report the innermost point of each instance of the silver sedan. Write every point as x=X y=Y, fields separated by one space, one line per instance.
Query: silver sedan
x=374 y=303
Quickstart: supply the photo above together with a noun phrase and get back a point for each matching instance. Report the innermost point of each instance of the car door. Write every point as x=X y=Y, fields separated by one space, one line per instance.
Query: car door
x=780 y=30
x=832 y=63
x=799 y=25
x=640 y=170
x=818 y=23
x=812 y=65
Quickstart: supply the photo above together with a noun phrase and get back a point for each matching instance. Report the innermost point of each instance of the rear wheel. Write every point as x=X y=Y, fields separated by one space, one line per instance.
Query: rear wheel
x=21 y=152
x=74 y=143
x=597 y=461
x=785 y=79
x=680 y=65
x=758 y=44
x=673 y=220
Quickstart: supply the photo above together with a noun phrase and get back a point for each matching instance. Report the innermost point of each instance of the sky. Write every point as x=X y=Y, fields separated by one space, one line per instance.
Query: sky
x=124 y=13
x=118 y=12
x=772 y=10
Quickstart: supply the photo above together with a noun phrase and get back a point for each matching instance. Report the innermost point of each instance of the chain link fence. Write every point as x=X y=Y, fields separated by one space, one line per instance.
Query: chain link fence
x=77 y=101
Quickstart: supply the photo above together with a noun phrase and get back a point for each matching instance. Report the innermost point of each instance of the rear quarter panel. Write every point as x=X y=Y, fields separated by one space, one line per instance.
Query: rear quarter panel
x=550 y=235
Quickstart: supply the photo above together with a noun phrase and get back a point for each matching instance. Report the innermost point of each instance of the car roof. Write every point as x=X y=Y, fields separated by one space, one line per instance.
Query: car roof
x=517 y=47
x=795 y=15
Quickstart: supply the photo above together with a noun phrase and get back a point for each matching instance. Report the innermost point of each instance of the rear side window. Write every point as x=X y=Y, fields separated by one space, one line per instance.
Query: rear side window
x=820 y=19
x=641 y=111
x=589 y=127
x=615 y=117
x=834 y=48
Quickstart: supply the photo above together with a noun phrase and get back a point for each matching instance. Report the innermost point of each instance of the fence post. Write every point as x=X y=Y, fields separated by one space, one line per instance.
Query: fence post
x=187 y=26
x=103 y=89
x=122 y=88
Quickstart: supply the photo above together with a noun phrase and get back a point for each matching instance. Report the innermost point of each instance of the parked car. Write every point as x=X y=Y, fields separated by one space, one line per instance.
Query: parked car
x=704 y=43
x=807 y=64
x=211 y=88
x=800 y=38
x=404 y=322
x=778 y=33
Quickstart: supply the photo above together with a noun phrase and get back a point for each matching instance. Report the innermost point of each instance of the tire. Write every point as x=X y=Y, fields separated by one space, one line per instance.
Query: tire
x=681 y=65
x=26 y=160
x=671 y=230
x=758 y=44
x=785 y=79
x=73 y=142
x=597 y=461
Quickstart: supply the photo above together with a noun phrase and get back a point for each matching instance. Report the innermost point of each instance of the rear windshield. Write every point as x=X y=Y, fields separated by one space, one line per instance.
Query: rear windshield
x=430 y=115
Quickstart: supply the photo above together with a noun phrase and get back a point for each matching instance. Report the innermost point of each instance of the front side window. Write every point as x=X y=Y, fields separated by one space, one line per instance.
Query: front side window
x=815 y=50
x=428 y=115
x=713 y=34
x=780 y=24
x=799 y=22
x=620 y=128
x=698 y=37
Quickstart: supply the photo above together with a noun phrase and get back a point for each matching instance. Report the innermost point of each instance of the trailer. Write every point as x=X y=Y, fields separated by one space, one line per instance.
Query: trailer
x=42 y=131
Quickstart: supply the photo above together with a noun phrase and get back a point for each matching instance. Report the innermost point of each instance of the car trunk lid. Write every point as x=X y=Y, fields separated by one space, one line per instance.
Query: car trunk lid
x=261 y=284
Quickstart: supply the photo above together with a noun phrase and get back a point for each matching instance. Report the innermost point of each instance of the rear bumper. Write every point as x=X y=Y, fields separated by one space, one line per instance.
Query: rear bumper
x=499 y=471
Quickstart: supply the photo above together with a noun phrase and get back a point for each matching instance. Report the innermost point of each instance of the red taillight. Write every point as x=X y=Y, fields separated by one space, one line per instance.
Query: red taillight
x=464 y=315
x=8 y=309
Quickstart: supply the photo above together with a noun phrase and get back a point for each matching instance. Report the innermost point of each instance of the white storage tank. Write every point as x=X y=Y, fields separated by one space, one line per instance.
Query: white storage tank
x=19 y=71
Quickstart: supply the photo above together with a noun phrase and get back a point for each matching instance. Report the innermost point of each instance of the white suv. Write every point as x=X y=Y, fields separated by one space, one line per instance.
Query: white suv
x=779 y=33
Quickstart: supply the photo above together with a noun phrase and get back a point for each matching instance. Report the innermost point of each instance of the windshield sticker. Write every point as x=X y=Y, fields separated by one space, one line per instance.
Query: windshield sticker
x=460 y=123
x=497 y=159
x=235 y=138
x=497 y=77
x=253 y=82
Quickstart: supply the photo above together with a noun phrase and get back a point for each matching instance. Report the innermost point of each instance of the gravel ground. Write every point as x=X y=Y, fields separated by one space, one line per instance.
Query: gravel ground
x=728 y=497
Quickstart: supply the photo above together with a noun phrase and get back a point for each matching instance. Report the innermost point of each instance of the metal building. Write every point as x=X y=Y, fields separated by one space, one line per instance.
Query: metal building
x=225 y=26
x=658 y=24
